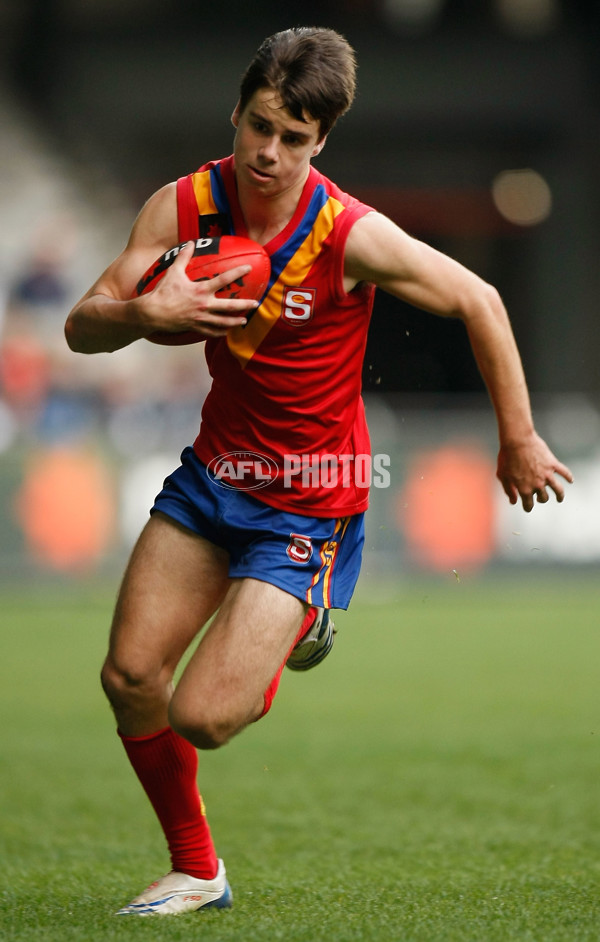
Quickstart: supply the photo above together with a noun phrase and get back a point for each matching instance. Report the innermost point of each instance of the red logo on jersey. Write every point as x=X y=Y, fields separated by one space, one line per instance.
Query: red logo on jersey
x=298 y=305
x=299 y=548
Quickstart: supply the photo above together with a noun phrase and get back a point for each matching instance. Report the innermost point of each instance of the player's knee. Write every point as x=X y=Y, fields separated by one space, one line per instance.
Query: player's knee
x=201 y=733
x=124 y=683
x=203 y=729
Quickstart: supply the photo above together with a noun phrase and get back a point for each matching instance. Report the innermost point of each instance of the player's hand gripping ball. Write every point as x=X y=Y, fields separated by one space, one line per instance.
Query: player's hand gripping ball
x=212 y=257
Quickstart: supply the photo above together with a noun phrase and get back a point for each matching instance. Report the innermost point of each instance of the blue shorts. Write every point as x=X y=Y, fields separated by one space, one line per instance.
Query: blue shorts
x=316 y=559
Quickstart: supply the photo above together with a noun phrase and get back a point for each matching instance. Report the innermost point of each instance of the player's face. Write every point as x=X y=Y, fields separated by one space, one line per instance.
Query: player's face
x=273 y=149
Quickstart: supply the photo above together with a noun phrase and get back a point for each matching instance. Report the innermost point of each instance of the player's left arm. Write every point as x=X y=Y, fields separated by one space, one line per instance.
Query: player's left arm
x=379 y=252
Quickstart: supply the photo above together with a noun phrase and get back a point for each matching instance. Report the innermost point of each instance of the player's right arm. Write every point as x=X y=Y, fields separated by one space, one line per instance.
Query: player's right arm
x=109 y=316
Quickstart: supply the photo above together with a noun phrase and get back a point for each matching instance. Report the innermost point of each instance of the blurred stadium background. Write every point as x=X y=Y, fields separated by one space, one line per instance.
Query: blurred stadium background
x=476 y=127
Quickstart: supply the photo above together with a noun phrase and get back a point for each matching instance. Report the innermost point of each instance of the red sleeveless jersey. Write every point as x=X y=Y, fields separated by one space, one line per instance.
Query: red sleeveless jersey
x=284 y=418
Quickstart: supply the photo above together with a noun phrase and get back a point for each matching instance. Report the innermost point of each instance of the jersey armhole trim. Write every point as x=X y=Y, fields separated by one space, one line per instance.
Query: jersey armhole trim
x=187 y=209
x=347 y=220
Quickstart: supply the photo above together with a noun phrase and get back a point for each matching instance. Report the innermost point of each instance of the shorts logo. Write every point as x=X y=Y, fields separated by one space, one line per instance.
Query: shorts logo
x=243 y=470
x=299 y=548
x=298 y=305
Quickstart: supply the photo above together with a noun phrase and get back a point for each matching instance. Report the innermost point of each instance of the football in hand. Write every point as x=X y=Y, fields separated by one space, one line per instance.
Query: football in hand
x=211 y=257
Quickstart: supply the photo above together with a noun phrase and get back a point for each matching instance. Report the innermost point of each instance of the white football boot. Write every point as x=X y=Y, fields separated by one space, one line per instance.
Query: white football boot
x=180 y=893
x=315 y=645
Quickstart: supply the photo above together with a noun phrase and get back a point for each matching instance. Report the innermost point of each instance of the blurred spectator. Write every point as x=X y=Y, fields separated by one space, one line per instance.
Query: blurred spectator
x=24 y=374
x=43 y=284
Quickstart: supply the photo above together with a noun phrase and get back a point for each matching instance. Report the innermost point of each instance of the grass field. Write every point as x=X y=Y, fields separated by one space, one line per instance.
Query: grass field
x=436 y=779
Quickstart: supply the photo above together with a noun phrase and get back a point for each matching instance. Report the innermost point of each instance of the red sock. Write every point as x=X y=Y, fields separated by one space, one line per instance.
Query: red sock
x=166 y=765
x=272 y=688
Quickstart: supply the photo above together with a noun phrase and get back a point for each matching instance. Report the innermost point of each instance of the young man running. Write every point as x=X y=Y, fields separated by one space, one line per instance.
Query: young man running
x=268 y=564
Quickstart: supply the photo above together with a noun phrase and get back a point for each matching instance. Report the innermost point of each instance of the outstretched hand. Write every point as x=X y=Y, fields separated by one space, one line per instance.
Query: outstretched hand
x=528 y=469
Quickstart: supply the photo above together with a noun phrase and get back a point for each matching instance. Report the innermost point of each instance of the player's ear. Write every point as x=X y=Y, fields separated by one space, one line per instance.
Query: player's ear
x=235 y=117
x=318 y=147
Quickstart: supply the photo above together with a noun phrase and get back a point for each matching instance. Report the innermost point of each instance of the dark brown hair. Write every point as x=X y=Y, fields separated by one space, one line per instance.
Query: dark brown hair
x=312 y=69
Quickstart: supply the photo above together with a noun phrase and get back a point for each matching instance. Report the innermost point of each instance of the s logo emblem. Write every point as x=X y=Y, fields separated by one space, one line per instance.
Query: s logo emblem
x=298 y=305
x=299 y=548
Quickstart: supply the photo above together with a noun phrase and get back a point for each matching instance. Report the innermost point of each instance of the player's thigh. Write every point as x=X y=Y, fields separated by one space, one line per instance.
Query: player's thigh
x=174 y=582
x=239 y=654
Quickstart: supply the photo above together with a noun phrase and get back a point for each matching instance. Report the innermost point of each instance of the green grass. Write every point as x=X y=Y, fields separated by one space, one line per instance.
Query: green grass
x=436 y=779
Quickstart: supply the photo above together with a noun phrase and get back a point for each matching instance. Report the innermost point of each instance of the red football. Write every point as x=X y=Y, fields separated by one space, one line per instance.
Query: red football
x=210 y=258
